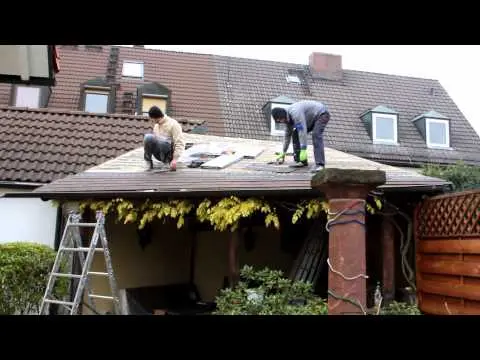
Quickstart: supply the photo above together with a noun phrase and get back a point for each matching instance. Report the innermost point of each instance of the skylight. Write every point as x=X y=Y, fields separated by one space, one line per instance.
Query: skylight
x=132 y=69
x=293 y=79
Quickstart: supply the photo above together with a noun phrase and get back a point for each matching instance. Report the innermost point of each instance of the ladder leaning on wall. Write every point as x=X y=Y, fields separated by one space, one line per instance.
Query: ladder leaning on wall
x=71 y=244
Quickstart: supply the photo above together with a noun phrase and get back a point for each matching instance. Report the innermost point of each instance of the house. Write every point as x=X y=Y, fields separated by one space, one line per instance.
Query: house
x=42 y=145
x=392 y=120
x=396 y=120
x=196 y=256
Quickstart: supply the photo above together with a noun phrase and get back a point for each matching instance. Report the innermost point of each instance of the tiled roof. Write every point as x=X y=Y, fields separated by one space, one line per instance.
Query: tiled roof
x=229 y=93
x=247 y=84
x=40 y=146
x=126 y=174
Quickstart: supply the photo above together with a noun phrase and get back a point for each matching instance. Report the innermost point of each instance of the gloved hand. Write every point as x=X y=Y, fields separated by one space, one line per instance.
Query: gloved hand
x=173 y=165
x=281 y=158
x=303 y=155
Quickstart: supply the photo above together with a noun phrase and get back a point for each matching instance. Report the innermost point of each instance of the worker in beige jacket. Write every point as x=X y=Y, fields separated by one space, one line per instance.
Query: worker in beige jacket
x=166 y=142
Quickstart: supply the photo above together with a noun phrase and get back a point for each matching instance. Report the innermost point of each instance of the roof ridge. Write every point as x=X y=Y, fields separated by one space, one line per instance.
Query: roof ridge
x=264 y=61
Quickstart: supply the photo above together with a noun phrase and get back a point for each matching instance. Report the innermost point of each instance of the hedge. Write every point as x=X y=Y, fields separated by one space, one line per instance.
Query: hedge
x=24 y=270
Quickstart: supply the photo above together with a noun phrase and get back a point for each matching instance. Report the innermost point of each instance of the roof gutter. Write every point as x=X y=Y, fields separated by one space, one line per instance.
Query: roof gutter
x=20 y=184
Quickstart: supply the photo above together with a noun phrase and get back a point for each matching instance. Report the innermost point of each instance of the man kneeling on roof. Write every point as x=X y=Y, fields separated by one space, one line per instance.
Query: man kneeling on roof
x=166 y=142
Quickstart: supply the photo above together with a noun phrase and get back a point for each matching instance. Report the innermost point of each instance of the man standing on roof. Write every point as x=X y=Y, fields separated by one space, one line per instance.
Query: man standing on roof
x=301 y=118
x=166 y=143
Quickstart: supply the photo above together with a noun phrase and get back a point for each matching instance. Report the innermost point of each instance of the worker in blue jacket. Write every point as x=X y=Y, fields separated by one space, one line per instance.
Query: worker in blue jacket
x=301 y=118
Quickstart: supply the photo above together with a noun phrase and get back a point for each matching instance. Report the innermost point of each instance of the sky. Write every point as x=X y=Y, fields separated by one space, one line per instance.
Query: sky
x=455 y=66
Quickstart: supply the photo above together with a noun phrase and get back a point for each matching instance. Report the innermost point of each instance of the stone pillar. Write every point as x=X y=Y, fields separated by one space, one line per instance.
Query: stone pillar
x=347 y=189
x=388 y=260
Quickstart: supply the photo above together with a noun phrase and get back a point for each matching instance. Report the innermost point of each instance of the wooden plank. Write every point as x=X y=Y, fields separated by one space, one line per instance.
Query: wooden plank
x=433 y=307
x=469 y=280
x=470 y=246
x=451 y=267
x=471 y=292
x=448 y=279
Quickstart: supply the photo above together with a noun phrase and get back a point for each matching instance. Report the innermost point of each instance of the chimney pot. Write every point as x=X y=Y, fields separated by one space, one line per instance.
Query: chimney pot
x=326 y=66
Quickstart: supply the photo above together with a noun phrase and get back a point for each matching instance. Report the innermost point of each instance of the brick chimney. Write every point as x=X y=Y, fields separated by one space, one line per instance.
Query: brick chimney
x=326 y=66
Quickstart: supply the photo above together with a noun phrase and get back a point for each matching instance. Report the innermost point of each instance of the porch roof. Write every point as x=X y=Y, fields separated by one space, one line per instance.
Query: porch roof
x=126 y=175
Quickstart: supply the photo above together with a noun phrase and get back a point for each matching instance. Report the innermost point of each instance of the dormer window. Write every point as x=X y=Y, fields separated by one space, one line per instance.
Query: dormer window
x=97 y=96
x=132 y=69
x=96 y=101
x=149 y=100
x=435 y=129
x=437 y=133
x=280 y=101
x=382 y=125
x=152 y=94
x=27 y=96
x=30 y=96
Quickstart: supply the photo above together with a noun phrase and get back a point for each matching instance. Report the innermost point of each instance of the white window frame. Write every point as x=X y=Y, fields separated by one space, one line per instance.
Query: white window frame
x=428 y=121
x=273 y=130
x=135 y=75
x=28 y=87
x=394 y=119
x=95 y=92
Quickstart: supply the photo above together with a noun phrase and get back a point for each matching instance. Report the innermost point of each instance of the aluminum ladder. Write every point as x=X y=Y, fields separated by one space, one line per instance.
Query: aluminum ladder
x=70 y=245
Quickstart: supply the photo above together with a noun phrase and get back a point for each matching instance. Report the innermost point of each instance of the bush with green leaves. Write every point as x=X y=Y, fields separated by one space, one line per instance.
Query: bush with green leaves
x=400 y=308
x=462 y=176
x=267 y=292
x=24 y=270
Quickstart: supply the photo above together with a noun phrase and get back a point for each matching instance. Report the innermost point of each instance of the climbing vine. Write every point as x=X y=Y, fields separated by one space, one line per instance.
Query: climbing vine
x=224 y=214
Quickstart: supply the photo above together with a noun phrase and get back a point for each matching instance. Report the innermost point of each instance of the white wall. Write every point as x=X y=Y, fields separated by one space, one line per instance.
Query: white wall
x=27 y=219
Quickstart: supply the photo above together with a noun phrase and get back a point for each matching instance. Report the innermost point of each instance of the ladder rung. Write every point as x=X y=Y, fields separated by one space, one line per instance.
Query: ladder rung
x=97 y=273
x=59 y=302
x=67 y=275
x=83 y=224
x=94 y=296
x=84 y=249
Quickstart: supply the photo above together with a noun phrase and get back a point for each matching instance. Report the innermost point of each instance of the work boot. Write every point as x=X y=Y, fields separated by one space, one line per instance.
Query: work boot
x=299 y=164
x=149 y=164
x=316 y=168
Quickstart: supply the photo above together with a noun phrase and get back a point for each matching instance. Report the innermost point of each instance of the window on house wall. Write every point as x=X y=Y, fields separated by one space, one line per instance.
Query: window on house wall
x=27 y=96
x=132 y=69
x=277 y=129
x=384 y=128
x=96 y=101
x=438 y=134
x=148 y=101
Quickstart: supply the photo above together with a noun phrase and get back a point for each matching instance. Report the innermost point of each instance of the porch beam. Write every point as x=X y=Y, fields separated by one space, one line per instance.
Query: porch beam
x=233 y=260
x=388 y=260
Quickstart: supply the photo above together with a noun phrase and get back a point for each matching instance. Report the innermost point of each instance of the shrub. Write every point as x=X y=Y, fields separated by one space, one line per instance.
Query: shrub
x=462 y=176
x=400 y=308
x=267 y=292
x=24 y=270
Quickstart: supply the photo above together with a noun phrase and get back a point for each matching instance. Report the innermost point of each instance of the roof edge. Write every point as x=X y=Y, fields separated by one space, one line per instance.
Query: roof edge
x=87 y=114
